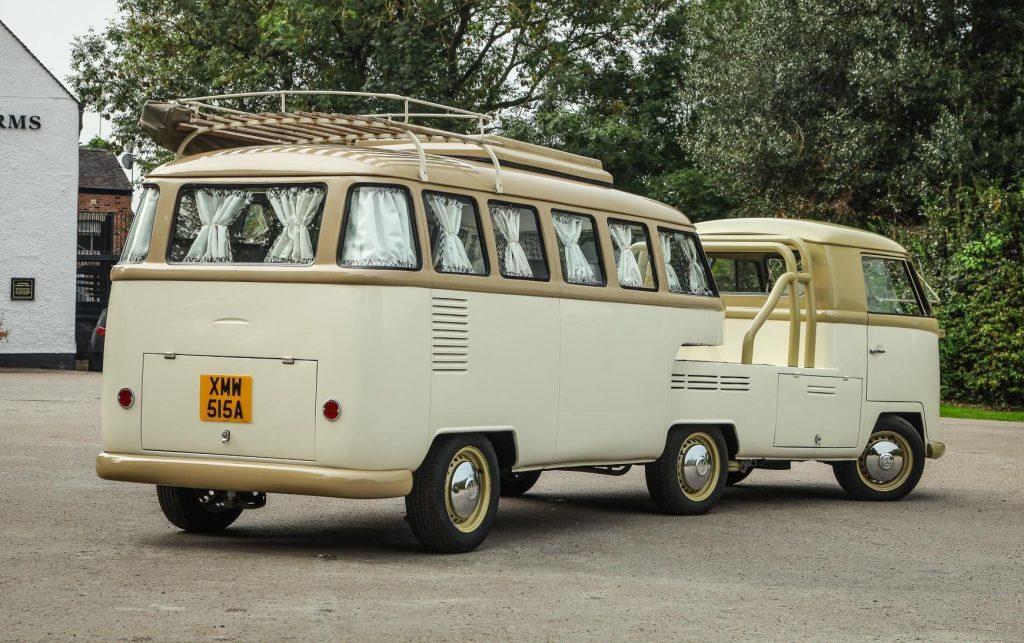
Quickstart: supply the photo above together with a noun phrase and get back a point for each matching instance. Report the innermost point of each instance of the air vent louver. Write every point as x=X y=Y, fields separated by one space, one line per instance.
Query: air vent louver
x=695 y=382
x=450 y=324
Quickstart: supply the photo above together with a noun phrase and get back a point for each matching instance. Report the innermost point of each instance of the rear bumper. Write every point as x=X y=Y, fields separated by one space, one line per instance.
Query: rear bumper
x=935 y=450
x=232 y=475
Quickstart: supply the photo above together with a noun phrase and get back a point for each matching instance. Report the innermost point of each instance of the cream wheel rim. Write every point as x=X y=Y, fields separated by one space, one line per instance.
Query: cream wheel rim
x=467 y=489
x=886 y=462
x=697 y=467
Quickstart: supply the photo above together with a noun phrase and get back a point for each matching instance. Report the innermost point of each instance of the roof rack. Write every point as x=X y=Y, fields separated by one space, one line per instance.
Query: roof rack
x=198 y=124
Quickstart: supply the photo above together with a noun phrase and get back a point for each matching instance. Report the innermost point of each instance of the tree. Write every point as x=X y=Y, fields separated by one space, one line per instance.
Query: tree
x=848 y=110
x=99 y=143
x=623 y=107
x=478 y=54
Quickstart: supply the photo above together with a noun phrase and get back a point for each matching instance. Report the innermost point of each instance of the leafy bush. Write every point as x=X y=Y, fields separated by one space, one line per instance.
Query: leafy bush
x=973 y=253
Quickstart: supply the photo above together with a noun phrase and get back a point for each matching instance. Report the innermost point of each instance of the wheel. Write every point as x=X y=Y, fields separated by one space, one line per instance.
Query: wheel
x=185 y=509
x=690 y=476
x=516 y=484
x=454 y=494
x=890 y=466
x=736 y=477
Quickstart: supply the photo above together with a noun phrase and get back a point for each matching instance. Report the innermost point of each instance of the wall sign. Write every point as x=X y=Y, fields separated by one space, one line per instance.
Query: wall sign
x=23 y=288
x=20 y=121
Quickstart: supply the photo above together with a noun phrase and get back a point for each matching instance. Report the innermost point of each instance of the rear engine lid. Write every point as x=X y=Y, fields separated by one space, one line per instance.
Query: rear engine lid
x=238 y=406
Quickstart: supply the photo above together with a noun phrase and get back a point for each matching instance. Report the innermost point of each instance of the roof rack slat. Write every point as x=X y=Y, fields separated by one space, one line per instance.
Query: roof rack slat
x=205 y=118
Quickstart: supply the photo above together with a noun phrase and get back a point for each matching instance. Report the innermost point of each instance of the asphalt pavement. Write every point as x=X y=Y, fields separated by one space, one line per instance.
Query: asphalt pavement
x=784 y=556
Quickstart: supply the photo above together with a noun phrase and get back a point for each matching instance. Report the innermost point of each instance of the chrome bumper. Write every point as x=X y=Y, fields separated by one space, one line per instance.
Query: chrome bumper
x=234 y=475
x=935 y=450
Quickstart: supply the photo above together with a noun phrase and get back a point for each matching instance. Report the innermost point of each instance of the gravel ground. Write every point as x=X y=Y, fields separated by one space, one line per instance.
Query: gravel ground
x=784 y=556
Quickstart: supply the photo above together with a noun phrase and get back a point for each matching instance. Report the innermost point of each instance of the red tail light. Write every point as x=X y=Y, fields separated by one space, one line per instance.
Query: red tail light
x=332 y=410
x=125 y=398
x=101 y=331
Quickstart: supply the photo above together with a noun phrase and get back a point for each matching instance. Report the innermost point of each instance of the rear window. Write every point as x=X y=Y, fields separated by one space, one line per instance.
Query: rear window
x=247 y=224
x=738 y=275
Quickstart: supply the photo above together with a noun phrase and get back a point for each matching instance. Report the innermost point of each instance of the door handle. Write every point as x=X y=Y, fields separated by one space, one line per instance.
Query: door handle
x=877 y=349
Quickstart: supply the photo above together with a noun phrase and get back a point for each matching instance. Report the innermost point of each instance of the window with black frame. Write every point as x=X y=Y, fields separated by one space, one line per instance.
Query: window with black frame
x=454 y=227
x=578 y=248
x=633 y=259
x=684 y=264
x=247 y=224
x=518 y=241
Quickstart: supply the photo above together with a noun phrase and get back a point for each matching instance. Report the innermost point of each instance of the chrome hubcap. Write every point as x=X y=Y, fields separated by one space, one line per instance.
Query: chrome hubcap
x=464 y=494
x=883 y=460
x=696 y=466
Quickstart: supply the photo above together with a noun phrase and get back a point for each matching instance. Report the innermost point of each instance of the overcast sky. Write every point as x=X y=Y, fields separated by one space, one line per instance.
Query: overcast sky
x=47 y=28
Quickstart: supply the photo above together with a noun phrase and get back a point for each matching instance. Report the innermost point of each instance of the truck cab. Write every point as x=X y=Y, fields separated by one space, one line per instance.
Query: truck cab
x=845 y=371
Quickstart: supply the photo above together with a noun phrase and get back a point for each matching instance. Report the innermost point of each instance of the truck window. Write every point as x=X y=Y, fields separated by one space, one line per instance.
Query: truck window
x=889 y=286
x=247 y=224
x=685 y=268
x=578 y=248
x=455 y=234
x=737 y=275
x=379 y=232
x=776 y=267
x=518 y=242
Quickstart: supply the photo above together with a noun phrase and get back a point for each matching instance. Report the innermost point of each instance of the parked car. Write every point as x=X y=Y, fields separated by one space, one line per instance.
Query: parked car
x=96 y=342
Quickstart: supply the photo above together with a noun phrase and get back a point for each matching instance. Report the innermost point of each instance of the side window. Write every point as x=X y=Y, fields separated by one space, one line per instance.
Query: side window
x=518 y=242
x=578 y=248
x=633 y=258
x=136 y=247
x=685 y=265
x=889 y=287
x=247 y=224
x=379 y=230
x=454 y=234
x=741 y=276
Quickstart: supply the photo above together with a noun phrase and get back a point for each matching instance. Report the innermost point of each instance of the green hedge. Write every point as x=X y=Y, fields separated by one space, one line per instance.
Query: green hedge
x=971 y=253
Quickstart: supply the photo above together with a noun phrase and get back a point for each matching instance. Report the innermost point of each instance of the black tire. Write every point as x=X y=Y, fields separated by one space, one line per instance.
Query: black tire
x=516 y=484
x=856 y=477
x=434 y=519
x=736 y=477
x=183 y=509
x=666 y=480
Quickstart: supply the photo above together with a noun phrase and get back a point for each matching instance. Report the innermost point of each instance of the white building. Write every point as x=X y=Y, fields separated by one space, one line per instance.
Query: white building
x=39 y=128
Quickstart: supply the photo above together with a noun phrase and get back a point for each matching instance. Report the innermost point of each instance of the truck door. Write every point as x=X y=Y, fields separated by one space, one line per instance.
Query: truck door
x=902 y=357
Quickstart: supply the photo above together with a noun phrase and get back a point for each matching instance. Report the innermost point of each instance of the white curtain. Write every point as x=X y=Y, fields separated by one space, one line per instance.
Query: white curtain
x=628 y=269
x=295 y=208
x=568 y=228
x=506 y=221
x=378 y=232
x=698 y=278
x=666 y=250
x=449 y=254
x=217 y=209
x=136 y=248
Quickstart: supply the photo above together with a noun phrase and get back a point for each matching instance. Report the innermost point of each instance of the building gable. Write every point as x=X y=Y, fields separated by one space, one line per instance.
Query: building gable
x=22 y=75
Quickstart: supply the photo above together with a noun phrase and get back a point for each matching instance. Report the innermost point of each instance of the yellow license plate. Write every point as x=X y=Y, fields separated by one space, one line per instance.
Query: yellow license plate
x=225 y=398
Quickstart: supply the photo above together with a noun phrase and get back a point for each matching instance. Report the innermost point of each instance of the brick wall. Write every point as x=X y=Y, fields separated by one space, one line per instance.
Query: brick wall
x=119 y=205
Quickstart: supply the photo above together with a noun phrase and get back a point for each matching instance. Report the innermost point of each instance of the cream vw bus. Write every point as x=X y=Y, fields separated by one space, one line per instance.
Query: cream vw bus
x=363 y=307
